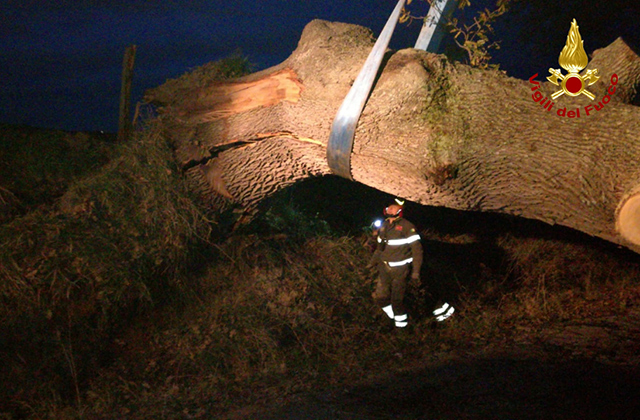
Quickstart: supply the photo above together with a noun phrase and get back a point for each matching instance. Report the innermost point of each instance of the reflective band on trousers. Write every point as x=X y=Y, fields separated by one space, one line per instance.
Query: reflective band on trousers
x=399 y=263
x=404 y=241
x=401 y=320
x=441 y=309
x=444 y=312
x=388 y=310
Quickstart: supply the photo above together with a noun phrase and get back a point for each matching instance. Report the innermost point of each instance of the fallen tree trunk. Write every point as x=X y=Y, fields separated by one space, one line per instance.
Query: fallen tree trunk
x=433 y=132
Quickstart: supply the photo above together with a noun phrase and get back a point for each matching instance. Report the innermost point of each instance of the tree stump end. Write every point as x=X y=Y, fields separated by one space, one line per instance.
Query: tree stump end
x=628 y=217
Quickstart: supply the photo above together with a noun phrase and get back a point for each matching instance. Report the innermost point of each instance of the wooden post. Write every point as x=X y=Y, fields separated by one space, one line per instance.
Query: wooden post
x=136 y=114
x=124 y=125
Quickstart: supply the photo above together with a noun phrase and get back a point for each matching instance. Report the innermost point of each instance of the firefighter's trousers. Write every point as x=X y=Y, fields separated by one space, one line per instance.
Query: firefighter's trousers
x=391 y=286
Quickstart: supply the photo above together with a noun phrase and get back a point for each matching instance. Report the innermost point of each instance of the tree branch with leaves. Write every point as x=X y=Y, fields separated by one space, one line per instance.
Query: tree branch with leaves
x=475 y=37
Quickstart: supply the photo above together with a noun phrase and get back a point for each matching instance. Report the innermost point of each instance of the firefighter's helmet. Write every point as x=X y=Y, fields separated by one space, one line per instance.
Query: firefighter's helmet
x=394 y=210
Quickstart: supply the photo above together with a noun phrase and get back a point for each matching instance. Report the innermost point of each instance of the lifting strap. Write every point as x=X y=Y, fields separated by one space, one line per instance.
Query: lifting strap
x=432 y=30
x=344 y=124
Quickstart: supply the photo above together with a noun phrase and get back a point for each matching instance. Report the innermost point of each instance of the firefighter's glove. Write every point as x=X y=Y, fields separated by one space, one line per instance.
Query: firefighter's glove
x=415 y=280
x=415 y=284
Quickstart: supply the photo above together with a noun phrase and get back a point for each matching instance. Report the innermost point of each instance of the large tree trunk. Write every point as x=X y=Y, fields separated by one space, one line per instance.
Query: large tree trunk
x=433 y=132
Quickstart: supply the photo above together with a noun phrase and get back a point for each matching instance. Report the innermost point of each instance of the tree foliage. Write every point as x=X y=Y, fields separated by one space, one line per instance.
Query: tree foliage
x=473 y=36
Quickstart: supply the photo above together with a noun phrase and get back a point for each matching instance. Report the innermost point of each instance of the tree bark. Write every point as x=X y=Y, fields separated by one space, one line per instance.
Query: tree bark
x=433 y=132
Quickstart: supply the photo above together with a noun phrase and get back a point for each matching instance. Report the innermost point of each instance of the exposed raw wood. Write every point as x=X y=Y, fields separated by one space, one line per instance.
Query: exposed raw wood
x=434 y=132
x=226 y=99
x=628 y=217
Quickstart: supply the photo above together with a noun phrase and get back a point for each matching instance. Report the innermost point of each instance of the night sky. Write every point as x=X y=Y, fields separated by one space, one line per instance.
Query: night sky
x=61 y=61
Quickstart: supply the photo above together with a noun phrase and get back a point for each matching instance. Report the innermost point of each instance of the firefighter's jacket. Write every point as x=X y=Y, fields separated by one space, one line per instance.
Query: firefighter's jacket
x=398 y=245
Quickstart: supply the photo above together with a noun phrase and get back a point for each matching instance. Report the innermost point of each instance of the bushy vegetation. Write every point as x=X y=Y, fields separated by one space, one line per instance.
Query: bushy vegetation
x=75 y=273
x=37 y=165
x=272 y=314
x=553 y=277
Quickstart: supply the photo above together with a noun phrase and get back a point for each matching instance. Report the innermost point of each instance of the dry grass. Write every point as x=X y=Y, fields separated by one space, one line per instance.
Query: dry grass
x=37 y=165
x=549 y=272
x=285 y=307
x=118 y=301
x=72 y=274
x=282 y=314
x=275 y=314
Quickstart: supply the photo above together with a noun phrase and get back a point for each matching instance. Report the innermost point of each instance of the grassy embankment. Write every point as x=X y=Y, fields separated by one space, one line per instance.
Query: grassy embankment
x=120 y=297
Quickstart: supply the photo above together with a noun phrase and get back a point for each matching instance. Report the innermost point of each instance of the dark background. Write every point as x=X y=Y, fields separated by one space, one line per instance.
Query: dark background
x=61 y=61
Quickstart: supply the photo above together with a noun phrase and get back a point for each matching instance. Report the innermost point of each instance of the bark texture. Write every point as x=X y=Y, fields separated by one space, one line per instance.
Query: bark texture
x=434 y=132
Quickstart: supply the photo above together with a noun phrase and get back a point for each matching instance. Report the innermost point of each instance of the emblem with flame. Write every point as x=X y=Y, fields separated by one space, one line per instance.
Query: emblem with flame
x=573 y=59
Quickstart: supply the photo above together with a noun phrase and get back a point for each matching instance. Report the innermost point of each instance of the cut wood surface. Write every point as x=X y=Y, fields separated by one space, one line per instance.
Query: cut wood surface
x=226 y=99
x=434 y=132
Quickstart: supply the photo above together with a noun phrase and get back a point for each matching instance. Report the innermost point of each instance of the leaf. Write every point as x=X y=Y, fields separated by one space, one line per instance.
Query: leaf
x=404 y=16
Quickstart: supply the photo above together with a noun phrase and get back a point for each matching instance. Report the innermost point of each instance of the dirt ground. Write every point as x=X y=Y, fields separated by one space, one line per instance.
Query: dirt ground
x=586 y=368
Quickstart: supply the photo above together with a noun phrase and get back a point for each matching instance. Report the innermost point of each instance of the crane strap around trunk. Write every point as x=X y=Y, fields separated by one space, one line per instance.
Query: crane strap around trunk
x=433 y=27
x=344 y=125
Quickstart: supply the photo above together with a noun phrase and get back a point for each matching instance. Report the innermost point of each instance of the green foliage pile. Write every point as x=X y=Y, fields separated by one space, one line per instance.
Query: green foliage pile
x=72 y=275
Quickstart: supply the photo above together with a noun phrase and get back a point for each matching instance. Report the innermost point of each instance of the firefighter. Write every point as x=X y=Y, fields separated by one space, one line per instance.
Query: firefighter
x=398 y=254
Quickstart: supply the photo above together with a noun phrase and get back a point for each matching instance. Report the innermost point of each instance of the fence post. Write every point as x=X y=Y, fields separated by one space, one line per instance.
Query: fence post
x=124 y=124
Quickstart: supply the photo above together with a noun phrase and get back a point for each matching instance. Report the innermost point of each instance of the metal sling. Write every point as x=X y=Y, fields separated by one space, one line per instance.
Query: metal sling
x=432 y=30
x=344 y=125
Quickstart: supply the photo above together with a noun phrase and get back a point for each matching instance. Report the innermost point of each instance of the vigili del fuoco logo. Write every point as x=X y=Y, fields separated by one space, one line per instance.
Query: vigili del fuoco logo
x=573 y=59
